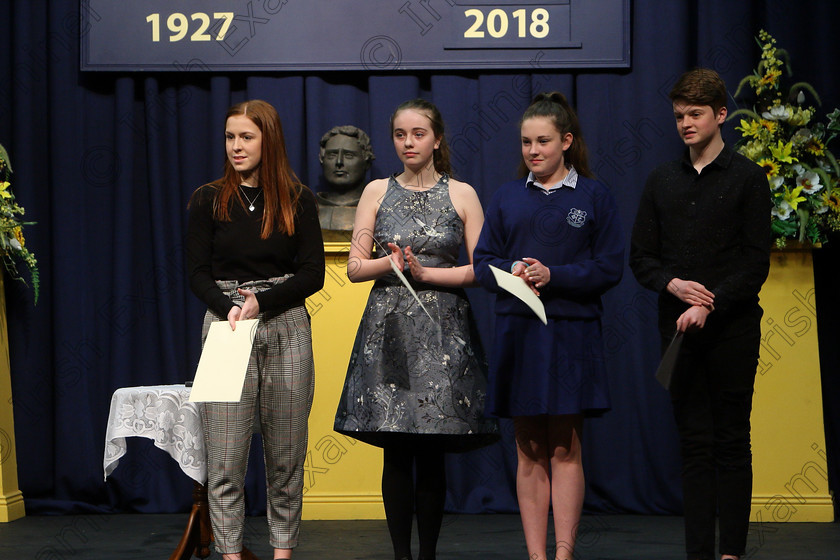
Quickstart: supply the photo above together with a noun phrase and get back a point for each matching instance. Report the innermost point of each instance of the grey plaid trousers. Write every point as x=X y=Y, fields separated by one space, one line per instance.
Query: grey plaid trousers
x=280 y=381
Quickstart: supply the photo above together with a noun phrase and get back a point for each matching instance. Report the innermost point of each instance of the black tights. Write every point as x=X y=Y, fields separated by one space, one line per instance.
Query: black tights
x=401 y=495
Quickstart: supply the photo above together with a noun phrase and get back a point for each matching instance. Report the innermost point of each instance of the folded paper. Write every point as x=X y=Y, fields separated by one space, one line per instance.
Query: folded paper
x=516 y=286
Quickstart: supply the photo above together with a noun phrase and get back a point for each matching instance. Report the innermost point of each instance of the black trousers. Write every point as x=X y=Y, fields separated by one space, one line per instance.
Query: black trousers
x=711 y=393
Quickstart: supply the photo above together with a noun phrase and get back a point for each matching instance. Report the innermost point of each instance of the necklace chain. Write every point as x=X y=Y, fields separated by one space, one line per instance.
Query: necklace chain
x=250 y=202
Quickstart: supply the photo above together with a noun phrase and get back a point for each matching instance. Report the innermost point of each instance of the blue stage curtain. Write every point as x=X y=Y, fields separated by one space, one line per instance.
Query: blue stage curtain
x=106 y=163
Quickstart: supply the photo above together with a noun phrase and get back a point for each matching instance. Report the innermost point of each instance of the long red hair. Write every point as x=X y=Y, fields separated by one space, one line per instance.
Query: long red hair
x=281 y=187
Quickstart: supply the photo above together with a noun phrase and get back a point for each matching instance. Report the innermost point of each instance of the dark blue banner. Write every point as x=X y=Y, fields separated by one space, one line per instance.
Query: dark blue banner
x=370 y=35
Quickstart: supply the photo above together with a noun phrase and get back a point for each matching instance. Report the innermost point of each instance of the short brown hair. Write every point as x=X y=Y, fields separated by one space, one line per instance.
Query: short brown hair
x=701 y=86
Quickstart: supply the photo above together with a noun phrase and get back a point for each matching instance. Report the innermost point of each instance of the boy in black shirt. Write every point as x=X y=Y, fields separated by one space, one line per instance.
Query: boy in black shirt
x=702 y=241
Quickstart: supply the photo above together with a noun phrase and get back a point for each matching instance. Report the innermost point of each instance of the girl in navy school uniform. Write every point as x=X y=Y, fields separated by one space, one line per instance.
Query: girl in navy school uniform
x=558 y=229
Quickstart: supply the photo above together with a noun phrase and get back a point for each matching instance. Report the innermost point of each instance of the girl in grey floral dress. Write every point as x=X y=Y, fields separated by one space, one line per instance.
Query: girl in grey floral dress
x=416 y=382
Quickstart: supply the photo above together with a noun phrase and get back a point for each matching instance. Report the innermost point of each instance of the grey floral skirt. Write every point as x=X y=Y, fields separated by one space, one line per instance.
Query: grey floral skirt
x=415 y=375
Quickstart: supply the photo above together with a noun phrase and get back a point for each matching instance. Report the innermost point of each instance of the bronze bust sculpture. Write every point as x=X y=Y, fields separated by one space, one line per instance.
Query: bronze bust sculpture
x=345 y=157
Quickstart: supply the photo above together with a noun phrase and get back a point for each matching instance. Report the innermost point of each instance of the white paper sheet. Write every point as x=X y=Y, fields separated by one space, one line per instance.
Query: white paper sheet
x=224 y=361
x=516 y=286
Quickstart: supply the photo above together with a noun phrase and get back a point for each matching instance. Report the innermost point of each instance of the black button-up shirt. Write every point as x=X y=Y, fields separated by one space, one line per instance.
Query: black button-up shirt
x=711 y=227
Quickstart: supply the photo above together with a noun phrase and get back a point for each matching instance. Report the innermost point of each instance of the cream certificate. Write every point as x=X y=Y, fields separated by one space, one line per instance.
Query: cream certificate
x=516 y=286
x=224 y=361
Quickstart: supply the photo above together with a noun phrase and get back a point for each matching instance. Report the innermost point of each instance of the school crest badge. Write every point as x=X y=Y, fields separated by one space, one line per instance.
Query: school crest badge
x=576 y=218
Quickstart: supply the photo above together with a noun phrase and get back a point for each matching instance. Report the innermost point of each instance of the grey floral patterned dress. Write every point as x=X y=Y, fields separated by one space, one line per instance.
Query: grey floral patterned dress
x=410 y=373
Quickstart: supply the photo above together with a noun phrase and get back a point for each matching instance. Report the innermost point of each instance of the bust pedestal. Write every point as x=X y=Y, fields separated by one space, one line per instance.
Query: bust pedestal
x=342 y=476
x=11 y=499
x=788 y=440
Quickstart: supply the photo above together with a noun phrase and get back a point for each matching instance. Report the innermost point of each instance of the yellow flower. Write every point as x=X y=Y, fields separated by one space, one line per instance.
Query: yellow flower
x=770 y=78
x=3 y=192
x=793 y=198
x=833 y=201
x=800 y=117
x=828 y=201
x=18 y=231
x=754 y=149
x=783 y=152
x=815 y=146
x=770 y=126
x=771 y=168
x=749 y=128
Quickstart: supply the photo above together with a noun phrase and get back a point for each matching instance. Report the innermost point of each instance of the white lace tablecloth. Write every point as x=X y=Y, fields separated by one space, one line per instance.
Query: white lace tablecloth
x=164 y=414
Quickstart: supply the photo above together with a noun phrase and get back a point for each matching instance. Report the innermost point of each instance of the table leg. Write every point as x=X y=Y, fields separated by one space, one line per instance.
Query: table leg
x=205 y=531
x=198 y=534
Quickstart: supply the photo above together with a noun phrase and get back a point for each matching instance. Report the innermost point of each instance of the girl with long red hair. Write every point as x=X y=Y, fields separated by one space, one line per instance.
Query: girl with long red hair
x=254 y=251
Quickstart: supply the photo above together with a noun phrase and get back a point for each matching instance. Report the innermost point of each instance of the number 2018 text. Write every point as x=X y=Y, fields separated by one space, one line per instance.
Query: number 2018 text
x=497 y=23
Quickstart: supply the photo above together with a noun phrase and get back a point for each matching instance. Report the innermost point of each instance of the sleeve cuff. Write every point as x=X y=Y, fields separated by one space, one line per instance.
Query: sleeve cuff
x=514 y=263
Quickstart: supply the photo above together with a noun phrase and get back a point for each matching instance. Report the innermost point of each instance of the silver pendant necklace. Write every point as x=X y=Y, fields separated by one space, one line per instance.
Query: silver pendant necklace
x=250 y=202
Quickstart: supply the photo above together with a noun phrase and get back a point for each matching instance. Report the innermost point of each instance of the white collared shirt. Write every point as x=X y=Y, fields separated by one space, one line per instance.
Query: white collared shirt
x=570 y=180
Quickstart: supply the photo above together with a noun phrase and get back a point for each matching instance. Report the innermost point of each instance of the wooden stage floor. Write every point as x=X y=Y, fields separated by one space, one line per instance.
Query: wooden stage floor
x=464 y=537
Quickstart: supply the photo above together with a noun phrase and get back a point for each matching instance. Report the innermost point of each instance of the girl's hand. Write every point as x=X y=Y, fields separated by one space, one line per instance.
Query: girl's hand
x=233 y=316
x=519 y=269
x=397 y=256
x=537 y=273
x=251 y=307
x=418 y=271
x=249 y=310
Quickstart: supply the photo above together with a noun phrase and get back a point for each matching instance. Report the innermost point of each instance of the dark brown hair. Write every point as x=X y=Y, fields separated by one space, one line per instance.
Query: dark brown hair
x=441 y=155
x=700 y=86
x=553 y=105
x=281 y=187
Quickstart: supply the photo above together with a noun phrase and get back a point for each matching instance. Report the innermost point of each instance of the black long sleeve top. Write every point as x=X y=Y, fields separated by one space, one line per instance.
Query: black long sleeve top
x=711 y=227
x=234 y=251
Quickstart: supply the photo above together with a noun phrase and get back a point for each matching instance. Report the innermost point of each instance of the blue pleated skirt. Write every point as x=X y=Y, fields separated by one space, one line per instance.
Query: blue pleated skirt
x=552 y=369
